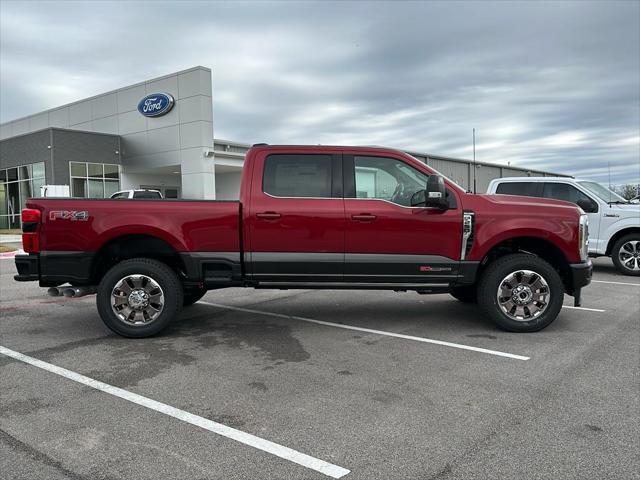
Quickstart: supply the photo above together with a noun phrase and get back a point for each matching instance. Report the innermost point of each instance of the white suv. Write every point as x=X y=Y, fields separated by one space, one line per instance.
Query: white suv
x=614 y=223
x=142 y=193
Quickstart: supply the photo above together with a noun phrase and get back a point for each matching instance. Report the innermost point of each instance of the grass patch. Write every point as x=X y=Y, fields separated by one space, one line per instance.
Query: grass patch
x=10 y=231
x=7 y=248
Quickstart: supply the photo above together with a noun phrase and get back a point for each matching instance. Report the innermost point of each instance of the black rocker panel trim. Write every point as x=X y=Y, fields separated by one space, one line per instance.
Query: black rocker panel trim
x=357 y=268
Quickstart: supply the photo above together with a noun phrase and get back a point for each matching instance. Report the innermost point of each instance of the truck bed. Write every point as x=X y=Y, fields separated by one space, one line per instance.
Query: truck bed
x=187 y=226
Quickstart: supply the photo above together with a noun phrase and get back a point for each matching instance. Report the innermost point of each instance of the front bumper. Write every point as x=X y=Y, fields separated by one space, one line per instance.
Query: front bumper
x=28 y=267
x=581 y=274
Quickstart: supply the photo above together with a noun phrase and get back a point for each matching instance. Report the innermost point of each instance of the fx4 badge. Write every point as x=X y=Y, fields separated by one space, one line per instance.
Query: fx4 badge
x=74 y=215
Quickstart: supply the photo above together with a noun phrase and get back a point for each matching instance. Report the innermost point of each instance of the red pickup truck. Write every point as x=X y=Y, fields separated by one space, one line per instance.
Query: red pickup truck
x=312 y=217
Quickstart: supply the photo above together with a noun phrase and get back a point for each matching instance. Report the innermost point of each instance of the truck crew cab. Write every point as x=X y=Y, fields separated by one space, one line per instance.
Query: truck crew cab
x=318 y=217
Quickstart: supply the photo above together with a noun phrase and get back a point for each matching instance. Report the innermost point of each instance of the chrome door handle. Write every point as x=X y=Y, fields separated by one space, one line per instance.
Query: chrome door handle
x=268 y=215
x=363 y=217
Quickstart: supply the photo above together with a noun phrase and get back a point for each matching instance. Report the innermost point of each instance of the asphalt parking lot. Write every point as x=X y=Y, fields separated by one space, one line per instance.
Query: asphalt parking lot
x=315 y=373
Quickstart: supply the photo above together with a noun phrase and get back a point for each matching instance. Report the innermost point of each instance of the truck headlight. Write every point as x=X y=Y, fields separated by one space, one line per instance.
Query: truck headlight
x=584 y=237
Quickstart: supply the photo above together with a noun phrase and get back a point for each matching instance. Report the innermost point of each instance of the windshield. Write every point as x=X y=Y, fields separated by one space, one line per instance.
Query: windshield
x=602 y=192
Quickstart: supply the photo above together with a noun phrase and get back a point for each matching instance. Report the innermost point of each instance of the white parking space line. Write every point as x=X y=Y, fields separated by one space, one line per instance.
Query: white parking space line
x=286 y=453
x=616 y=283
x=370 y=330
x=584 y=308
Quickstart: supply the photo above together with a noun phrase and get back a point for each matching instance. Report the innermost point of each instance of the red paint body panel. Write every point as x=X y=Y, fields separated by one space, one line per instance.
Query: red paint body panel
x=196 y=226
x=501 y=217
x=399 y=230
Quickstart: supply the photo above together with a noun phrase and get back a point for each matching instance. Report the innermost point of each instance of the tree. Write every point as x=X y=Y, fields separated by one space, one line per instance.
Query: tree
x=628 y=191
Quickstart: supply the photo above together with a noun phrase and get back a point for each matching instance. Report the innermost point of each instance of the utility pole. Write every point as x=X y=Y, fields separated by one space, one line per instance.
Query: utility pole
x=610 y=189
x=474 y=160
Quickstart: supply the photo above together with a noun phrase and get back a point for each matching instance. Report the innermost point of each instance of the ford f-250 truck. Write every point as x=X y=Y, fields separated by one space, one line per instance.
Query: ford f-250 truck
x=312 y=217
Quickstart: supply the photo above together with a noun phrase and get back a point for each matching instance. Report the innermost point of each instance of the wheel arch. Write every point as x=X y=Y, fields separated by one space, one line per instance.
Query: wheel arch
x=618 y=235
x=537 y=246
x=125 y=247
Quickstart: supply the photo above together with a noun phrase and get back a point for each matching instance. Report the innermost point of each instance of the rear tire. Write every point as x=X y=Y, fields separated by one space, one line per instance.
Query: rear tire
x=192 y=296
x=466 y=294
x=139 y=298
x=626 y=255
x=510 y=282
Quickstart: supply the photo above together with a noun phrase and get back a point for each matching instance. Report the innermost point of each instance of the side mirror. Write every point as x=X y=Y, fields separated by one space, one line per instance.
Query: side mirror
x=436 y=195
x=589 y=206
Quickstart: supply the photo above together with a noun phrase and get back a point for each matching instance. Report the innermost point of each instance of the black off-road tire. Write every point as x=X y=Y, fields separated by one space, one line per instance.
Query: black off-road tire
x=615 y=254
x=466 y=293
x=192 y=296
x=494 y=274
x=164 y=276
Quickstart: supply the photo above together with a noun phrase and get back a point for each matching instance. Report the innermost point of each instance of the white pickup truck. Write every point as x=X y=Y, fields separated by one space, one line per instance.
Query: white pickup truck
x=614 y=223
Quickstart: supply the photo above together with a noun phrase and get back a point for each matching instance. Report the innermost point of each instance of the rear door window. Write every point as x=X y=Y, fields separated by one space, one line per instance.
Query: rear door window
x=564 y=191
x=528 y=189
x=297 y=176
x=569 y=193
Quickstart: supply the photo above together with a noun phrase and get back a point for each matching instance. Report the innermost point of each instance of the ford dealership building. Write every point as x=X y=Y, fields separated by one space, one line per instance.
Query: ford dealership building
x=155 y=134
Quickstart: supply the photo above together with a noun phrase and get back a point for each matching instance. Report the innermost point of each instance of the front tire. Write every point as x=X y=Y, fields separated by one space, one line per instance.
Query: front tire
x=521 y=293
x=138 y=298
x=626 y=254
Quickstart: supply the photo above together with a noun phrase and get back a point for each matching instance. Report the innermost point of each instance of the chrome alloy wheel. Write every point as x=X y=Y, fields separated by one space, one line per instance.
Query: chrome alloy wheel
x=137 y=299
x=629 y=255
x=523 y=295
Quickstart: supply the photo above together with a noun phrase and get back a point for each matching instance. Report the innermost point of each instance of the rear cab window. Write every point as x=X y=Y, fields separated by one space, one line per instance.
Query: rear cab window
x=151 y=195
x=298 y=176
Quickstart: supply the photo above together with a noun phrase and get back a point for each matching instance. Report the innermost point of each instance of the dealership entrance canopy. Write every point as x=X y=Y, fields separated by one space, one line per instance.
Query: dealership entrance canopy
x=155 y=134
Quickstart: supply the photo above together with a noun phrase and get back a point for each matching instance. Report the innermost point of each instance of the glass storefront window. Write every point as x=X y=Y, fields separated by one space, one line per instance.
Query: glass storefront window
x=95 y=170
x=111 y=187
x=96 y=189
x=13 y=199
x=94 y=180
x=25 y=192
x=24 y=172
x=3 y=199
x=38 y=170
x=111 y=171
x=78 y=169
x=78 y=187
x=17 y=184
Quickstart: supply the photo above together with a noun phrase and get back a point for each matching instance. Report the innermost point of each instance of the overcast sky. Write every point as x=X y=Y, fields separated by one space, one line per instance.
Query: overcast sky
x=554 y=85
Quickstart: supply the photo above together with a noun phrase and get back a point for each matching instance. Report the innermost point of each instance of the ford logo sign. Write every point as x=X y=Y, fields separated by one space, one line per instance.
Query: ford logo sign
x=155 y=105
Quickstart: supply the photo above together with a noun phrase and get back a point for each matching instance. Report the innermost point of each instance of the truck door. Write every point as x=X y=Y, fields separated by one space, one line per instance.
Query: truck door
x=389 y=241
x=296 y=219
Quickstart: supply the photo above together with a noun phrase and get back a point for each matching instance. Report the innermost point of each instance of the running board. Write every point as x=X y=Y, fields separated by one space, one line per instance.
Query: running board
x=419 y=287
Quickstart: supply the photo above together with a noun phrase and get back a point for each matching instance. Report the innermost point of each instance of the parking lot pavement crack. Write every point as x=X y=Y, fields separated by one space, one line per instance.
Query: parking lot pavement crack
x=38 y=456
